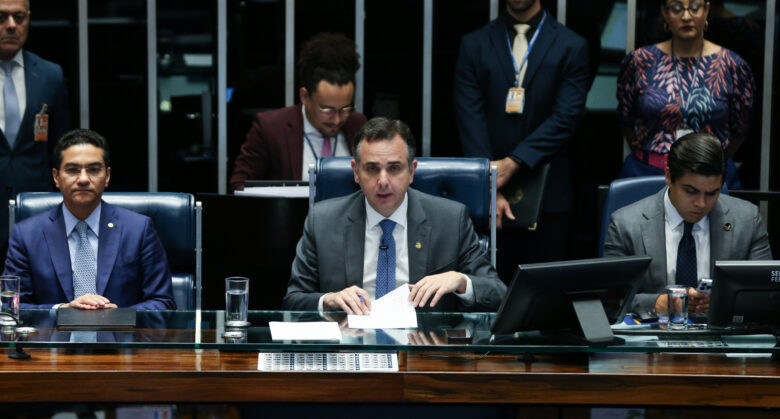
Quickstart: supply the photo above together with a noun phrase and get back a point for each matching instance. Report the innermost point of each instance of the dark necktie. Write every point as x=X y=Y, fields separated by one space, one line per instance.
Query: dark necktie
x=686 y=258
x=326 y=150
x=385 y=264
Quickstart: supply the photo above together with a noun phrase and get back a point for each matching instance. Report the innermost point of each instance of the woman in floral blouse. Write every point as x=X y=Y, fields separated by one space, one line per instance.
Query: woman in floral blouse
x=684 y=84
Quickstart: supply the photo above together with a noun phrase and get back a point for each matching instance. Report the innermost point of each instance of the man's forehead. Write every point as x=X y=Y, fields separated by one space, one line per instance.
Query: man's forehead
x=13 y=6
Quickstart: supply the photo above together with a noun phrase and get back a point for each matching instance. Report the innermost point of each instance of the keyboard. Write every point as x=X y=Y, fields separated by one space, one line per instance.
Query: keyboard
x=328 y=361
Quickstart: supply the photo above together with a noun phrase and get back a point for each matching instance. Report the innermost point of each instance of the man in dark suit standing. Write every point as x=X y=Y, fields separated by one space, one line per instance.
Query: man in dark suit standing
x=33 y=112
x=282 y=143
x=520 y=87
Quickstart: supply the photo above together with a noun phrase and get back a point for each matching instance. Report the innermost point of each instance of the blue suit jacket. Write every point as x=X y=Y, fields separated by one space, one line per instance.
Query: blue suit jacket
x=556 y=84
x=132 y=268
x=26 y=167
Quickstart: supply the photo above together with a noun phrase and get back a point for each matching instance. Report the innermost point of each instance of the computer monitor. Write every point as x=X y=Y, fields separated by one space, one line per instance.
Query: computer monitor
x=577 y=297
x=745 y=294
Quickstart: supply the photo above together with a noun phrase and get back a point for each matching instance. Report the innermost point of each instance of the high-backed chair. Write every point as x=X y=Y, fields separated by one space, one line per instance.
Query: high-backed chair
x=627 y=191
x=465 y=180
x=176 y=217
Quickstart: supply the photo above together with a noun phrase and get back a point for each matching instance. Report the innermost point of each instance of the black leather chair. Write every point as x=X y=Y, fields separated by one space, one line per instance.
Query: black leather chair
x=176 y=218
x=466 y=180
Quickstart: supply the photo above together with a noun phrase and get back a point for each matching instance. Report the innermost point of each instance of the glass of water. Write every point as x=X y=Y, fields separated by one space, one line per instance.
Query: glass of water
x=9 y=298
x=677 y=300
x=236 y=301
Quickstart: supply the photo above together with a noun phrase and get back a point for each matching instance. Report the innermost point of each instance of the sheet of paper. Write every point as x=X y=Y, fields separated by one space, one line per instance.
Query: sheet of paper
x=305 y=331
x=393 y=311
x=276 y=191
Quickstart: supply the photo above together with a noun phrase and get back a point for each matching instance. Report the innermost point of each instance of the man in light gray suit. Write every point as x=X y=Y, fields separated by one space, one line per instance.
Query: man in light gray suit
x=689 y=219
x=359 y=247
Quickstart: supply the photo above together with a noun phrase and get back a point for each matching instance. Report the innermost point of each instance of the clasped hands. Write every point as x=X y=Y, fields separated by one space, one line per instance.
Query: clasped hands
x=90 y=302
x=355 y=300
x=698 y=302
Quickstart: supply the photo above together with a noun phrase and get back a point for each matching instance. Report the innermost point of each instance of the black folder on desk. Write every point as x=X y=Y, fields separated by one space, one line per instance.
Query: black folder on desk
x=106 y=318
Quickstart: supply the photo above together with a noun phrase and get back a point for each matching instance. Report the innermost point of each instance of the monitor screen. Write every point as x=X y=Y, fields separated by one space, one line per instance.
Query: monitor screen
x=580 y=296
x=745 y=293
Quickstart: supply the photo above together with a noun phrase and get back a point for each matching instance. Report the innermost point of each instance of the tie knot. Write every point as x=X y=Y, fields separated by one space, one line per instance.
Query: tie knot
x=81 y=227
x=522 y=28
x=387 y=226
x=687 y=227
x=8 y=66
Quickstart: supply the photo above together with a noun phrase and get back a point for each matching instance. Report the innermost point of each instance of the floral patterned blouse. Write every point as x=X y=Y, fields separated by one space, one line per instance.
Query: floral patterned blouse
x=720 y=102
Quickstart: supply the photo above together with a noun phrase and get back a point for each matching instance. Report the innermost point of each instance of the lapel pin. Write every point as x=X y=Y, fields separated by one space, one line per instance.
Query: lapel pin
x=418 y=245
x=110 y=225
x=727 y=226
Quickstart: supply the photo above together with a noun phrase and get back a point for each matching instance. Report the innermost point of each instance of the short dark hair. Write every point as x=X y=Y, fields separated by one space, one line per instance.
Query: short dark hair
x=81 y=136
x=698 y=153
x=381 y=128
x=327 y=56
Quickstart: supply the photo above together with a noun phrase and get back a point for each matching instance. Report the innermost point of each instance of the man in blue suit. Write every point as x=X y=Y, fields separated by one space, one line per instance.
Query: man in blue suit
x=525 y=59
x=32 y=90
x=86 y=253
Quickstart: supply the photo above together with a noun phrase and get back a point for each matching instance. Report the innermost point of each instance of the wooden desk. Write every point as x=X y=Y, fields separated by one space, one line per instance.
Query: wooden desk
x=168 y=375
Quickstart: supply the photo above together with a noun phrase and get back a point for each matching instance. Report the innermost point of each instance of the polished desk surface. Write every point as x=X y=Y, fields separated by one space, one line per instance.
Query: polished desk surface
x=436 y=331
x=168 y=359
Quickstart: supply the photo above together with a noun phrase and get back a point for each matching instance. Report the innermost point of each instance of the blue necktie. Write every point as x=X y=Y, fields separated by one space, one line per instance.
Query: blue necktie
x=84 y=269
x=12 y=116
x=385 y=264
x=686 y=258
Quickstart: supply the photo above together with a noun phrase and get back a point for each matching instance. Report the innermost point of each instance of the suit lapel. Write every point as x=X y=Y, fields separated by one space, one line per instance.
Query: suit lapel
x=354 y=239
x=653 y=232
x=498 y=40
x=547 y=35
x=57 y=243
x=33 y=86
x=417 y=231
x=295 y=142
x=108 y=245
x=720 y=239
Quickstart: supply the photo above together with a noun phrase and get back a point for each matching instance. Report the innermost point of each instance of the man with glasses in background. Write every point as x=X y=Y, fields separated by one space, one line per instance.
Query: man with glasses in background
x=282 y=143
x=86 y=253
x=33 y=109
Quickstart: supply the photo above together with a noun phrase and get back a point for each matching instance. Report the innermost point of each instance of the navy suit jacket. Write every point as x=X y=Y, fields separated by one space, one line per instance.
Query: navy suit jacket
x=26 y=167
x=556 y=86
x=132 y=268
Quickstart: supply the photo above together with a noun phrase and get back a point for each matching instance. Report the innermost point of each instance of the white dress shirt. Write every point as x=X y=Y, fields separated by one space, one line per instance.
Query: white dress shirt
x=21 y=90
x=312 y=139
x=674 y=230
x=371 y=252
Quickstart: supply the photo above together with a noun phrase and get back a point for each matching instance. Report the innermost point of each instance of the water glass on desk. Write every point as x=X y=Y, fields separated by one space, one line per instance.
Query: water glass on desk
x=9 y=298
x=236 y=301
x=677 y=304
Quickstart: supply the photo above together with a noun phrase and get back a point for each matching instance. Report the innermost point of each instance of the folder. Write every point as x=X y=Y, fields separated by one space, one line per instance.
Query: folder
x=104 y=318
x=525 y=193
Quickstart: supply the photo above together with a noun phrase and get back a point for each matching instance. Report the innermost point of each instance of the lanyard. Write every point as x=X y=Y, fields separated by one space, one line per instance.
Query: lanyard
x=528 y=51
x=685 y=104
x=316 y=156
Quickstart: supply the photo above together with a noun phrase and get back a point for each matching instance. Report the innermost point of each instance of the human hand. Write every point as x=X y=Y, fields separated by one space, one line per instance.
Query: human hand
x=506 y=169
x=353 y=300
x=502 y=208
x=436 y=286
x=698 y=302
x=89 y=302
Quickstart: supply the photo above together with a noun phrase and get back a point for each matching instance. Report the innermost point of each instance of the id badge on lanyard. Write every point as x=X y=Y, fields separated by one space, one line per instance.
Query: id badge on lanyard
x=515 y=100
x=515 y=97
x=41 y=127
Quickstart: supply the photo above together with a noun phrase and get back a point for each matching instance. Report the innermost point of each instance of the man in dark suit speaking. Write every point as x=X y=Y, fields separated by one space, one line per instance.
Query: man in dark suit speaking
x=282 y=143
x=33 y=111
x=520 y=87
x=86 y=253
x=362 y=246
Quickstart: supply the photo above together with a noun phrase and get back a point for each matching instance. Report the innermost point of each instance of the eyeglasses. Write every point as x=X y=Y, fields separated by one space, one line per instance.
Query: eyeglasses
x=19 y=17
x=678 y=9
x=329 y=111
x=75 y=171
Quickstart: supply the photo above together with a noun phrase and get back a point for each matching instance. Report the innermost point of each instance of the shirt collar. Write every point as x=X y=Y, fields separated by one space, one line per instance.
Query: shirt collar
x=533 y=22
x=674 y=219
x=399 y=216
x=19 y=59
x=93 y=221
x=308 y=128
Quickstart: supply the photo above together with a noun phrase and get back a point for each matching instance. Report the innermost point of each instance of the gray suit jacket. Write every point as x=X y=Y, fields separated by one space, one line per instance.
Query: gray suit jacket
x=638 y=229
x=329 y=256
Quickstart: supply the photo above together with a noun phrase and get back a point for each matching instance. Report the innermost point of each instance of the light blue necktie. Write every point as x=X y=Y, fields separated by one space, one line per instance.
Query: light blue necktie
x=12 y=116
x=84 y=269
x=385 y=265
